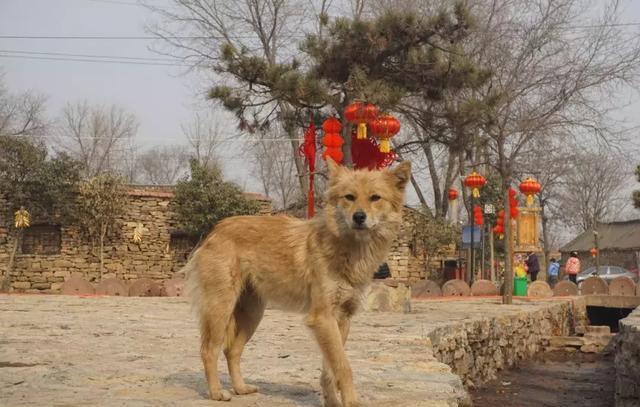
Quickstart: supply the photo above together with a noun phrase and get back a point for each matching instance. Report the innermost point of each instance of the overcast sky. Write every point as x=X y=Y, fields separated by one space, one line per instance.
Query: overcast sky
x=160 y=96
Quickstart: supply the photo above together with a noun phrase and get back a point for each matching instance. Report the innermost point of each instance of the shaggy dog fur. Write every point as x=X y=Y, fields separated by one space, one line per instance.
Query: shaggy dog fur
x=320 y=267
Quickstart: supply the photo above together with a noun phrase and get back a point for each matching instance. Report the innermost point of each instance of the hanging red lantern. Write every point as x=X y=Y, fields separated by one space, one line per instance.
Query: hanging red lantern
x=361 y=113
x=477 y=215
x=452 y=194
x=513 y=203
x=332 y=140
x=331 y=125
x=385 y=127
x=530 y=187
x=475 y=181
x=594 y=252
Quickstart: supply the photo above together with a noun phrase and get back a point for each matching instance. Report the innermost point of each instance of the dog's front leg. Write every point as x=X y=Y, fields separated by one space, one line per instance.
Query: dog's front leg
x=327 y=381
x=328 y=334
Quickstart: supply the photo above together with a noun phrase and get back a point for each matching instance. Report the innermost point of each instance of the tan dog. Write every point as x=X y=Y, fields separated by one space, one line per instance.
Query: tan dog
x=320 y=267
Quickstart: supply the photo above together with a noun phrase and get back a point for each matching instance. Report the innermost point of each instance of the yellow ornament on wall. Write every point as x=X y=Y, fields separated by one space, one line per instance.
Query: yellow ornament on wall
x=138 y=233
x=22 y=218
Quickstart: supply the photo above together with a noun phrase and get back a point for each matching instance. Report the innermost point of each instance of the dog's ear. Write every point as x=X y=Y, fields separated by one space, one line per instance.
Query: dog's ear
x=401 y=174
x=334 y=169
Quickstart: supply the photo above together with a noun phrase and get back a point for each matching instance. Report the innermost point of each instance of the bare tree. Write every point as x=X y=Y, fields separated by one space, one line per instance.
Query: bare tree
x=205 y=138
x=198 y=32
x=547 y=78
x=97 y=136
x=275 y=168
x=163 y=165
x=21 y=114
x=592 y=189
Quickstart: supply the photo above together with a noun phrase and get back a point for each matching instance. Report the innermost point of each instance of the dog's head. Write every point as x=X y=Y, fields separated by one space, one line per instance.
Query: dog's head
x=363 y=200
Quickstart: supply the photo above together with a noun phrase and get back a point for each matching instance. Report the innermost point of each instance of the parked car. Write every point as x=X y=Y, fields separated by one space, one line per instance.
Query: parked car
x=607 y=273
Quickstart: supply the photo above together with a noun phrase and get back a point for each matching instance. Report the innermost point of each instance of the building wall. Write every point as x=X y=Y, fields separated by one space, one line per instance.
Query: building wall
x=159 y=256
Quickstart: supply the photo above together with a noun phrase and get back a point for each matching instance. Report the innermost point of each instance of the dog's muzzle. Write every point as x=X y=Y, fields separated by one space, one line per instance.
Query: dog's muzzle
x=359 y=220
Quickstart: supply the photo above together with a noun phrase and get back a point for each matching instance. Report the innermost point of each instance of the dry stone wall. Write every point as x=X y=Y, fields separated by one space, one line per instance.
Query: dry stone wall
x=628 y=362
x=477 y=349
x=156 y=257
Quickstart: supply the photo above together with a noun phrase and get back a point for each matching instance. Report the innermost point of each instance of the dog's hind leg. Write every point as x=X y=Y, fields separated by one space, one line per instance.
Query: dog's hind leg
x=219 y=292
x=247 y=315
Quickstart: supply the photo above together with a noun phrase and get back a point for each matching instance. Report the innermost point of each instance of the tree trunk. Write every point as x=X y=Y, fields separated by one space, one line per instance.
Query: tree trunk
x=507 y=297
x=435 y=180
x=545 y=237
x=102 y=234
x=6 y=283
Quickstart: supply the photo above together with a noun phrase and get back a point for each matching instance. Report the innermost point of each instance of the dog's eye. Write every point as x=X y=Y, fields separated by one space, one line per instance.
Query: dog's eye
x=374 y=198
x=350 y=197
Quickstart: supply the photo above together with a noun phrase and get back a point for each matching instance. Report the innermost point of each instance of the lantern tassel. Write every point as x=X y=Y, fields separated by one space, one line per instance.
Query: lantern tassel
x=362 y=131
x=530 y=200
x=385 y=145
x=476 y=193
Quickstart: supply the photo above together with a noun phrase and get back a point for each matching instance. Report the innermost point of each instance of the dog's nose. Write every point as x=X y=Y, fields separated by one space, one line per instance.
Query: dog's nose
x=359 y=217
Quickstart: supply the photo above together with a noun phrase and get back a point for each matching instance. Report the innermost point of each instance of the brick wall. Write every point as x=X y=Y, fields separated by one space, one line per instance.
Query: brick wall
x=159 y=256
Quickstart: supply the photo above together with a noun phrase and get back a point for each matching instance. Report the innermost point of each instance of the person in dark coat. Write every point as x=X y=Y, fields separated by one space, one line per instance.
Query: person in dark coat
x=533 y=266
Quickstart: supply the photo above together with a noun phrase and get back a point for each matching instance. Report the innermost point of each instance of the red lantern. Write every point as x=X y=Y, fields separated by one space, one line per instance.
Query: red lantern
x=385 y=127
x=530 y=187
x=332 y=125
x=477 y=215
x=361 y=113
x=594 y=252
x=335 y=153
x=513 y=203
x=332 y=140
x=475 y=181
x=452 y=194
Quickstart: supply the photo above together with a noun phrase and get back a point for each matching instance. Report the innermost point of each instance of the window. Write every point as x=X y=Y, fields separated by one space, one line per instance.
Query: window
x=42 y=239
x=181 y=245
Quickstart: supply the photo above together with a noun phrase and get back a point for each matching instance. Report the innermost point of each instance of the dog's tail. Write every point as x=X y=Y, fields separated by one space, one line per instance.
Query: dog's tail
x=192 y=285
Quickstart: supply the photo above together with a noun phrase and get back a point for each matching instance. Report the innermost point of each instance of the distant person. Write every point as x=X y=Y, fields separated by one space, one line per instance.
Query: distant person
x=572 y=266
x=533 y=267
x=553 y=271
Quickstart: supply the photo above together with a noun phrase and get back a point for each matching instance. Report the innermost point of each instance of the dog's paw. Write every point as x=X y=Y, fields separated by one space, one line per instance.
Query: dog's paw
x=246 y=389
x=221 y=395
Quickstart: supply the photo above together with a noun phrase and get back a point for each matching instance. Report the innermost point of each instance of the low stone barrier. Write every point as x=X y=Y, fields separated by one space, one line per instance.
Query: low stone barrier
x=628 y=361
x=477 y=349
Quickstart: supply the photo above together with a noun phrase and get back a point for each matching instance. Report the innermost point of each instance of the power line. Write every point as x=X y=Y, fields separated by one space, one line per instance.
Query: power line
x=124 y=37
x=88 y=55
x=93 y=60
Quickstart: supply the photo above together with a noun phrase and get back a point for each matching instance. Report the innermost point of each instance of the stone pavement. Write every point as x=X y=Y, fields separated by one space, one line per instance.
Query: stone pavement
x=119 y=351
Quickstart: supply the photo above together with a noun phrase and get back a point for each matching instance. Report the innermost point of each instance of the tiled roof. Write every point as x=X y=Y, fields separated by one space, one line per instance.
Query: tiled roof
x=614 y=235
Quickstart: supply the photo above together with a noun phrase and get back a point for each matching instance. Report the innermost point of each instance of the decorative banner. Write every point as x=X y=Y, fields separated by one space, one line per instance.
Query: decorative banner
x=308 y=150
x=365 y=153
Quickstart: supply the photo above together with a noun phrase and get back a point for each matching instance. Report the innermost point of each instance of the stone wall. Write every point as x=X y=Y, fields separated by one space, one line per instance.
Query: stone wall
x=408 y=263
x=159 y=256
x=628 y=361
x=477 y=349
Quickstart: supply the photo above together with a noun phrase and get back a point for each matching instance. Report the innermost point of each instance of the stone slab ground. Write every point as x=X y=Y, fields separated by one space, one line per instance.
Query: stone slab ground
x=99 y=351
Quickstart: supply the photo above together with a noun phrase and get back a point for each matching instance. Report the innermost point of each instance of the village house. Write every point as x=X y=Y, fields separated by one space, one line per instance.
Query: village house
x=618 y=244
